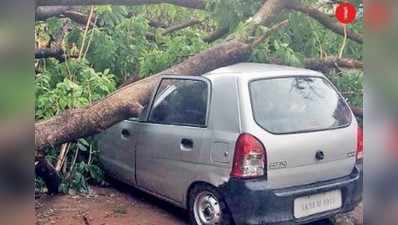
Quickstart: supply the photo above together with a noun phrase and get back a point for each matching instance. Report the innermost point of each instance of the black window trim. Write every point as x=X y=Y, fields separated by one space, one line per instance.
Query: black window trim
x=301 y=131
x=180 y=77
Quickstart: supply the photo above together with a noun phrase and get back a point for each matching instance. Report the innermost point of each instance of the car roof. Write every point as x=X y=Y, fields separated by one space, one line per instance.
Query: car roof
x=249 y=71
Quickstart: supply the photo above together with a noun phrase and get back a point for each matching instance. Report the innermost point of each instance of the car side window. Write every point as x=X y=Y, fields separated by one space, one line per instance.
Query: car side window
x=180 y=102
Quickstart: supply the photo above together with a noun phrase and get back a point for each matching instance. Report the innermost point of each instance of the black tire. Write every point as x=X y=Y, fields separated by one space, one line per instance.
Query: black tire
x=225 y=217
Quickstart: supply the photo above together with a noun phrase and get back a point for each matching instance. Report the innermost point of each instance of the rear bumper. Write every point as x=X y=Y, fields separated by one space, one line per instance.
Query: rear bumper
x=250 y=202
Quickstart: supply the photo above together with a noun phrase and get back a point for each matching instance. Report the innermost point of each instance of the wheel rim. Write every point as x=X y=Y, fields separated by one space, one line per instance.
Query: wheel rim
x=207 y=209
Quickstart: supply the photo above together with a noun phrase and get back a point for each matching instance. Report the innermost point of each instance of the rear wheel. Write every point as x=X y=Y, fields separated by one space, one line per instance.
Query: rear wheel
x=207 y=207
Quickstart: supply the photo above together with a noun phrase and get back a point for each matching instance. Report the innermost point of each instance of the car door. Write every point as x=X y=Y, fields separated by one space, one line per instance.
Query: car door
x=171 y=139
x=117 y=150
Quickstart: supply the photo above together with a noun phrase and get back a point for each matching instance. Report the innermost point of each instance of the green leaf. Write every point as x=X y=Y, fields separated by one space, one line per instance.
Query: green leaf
x=84 y=142
x=81 y=147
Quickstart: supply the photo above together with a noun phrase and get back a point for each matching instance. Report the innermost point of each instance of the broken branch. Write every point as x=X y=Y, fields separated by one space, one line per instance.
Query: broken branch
x=215 y=34
x=62 y=156
x=175 y=28
x=326 y=64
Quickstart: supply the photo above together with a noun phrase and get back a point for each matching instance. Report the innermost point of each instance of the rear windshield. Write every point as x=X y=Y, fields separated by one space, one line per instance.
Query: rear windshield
x=297 y=104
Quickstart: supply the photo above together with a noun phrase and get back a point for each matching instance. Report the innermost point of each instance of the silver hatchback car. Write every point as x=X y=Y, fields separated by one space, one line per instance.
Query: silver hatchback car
x=243 y=144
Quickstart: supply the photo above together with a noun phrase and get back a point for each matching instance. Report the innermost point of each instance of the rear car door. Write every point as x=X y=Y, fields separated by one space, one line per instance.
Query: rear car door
x=171 y=138
x=117 y=150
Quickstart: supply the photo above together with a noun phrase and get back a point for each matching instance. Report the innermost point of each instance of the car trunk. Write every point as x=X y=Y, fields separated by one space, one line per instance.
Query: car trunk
x=306 y=128
x=292 y=158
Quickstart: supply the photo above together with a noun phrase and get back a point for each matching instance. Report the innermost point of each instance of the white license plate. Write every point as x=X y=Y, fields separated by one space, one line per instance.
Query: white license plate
x=313 y=204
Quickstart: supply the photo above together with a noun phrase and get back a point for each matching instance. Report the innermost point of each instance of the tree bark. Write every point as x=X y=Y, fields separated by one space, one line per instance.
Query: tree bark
x=157 y=23
x=195 y=4
x=324 y=19
x=217 y=34
x=327 y=64
x=43 y=13
x=78 y=17
x=128 y=101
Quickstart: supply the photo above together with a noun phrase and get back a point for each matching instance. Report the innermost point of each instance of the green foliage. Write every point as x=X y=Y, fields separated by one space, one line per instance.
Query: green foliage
x=229 y=13
x=70 y=85
x=118 y=48
x=275 y=49
x=110 y=16
x=172 y=51
x=80 y=177
x=350 y=83
x=169 y=14
x=287 y=55
x=311 y=39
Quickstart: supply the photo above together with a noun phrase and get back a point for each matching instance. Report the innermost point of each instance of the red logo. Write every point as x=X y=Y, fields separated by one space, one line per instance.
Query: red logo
x=346 y=13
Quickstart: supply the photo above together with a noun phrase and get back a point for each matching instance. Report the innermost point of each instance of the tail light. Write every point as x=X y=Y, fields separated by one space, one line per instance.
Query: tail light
x=359 y=143
x=250 y=158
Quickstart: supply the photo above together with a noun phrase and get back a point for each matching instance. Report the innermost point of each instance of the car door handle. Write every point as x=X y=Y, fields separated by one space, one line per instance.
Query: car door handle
x=125 y=133
x=186 y=144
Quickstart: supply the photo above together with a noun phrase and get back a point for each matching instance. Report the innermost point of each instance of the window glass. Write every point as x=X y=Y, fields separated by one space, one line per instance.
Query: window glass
x=297 y=104
x=180 y=102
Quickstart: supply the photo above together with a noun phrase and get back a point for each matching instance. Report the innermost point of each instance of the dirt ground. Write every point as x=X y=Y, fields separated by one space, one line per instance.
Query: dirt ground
x=123 y=206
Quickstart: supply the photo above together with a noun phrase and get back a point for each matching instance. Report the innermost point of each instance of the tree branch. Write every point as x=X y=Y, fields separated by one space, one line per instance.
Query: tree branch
x=195 y=4
x=325 y=65
x=211 y=37
x=157 y=24
x=324 y=19
x=180 y=26
x=45 y=12
x=268 y=32
x=78 y=17
x=267 y=11
x=175 y=28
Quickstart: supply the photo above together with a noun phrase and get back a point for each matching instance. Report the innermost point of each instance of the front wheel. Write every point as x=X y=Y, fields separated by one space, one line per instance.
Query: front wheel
x=206 y=207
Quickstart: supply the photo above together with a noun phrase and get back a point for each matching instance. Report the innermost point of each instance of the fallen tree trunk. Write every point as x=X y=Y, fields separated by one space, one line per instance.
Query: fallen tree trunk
x=129 y=100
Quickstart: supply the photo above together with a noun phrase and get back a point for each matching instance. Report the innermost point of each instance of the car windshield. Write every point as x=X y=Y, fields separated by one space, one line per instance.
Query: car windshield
x=297 y=104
